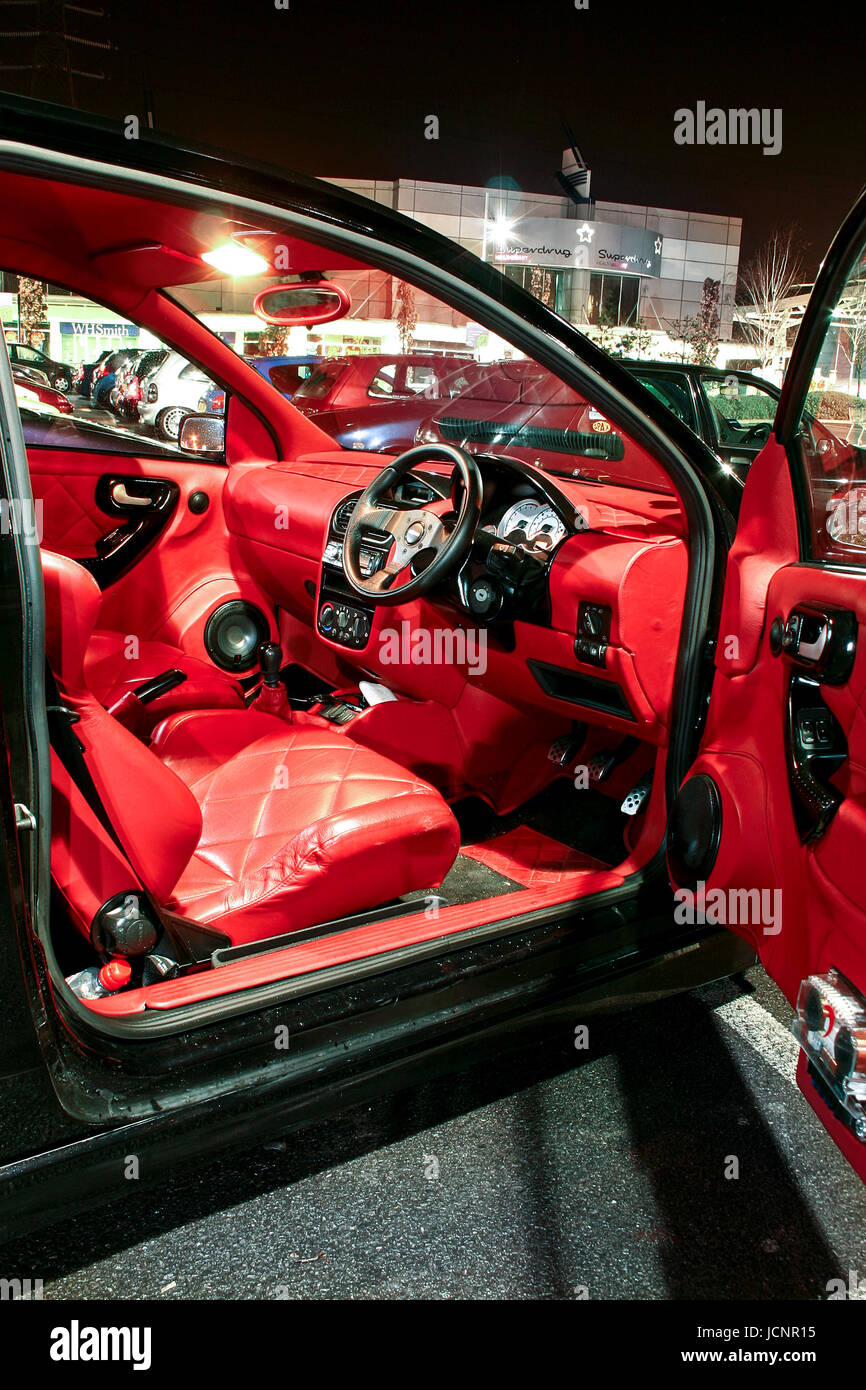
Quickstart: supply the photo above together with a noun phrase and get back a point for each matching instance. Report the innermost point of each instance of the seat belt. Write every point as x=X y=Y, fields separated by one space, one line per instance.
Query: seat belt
x=70 y=751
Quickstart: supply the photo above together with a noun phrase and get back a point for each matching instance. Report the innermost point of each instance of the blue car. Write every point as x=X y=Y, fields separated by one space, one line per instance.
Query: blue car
x=286 y=373
x=103 y=377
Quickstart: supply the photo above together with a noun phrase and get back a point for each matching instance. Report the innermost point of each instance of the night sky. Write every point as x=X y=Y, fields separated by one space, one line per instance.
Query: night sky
x=342 y=89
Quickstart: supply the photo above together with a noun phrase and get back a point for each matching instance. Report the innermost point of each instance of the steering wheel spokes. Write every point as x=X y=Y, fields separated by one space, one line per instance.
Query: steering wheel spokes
x=414 y=534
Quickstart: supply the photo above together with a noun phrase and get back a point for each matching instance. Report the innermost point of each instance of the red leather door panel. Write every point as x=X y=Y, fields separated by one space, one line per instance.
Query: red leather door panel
x=193 y=566
x=808 y=916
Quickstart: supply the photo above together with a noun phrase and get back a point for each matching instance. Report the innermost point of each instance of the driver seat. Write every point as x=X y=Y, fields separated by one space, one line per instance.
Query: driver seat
x=234 y=818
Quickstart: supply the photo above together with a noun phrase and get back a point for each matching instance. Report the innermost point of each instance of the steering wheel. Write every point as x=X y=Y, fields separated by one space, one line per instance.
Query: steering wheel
x=416 y=534
x=757 y=434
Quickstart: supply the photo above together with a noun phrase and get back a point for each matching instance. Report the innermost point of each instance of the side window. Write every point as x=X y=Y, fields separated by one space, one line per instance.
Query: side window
x=383 y=382
x=743 y=411
x=101 y=383
x=673 y=393
x=832 y=435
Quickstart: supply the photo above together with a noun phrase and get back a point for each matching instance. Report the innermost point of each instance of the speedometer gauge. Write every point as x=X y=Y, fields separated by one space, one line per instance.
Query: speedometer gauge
x=537 y=520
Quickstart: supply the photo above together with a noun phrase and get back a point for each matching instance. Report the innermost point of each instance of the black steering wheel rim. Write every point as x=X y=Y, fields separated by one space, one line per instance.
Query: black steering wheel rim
x=450 y=551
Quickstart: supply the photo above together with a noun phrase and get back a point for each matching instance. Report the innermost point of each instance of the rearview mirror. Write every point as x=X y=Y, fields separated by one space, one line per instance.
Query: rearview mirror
x=302 y=303
x=202 y=434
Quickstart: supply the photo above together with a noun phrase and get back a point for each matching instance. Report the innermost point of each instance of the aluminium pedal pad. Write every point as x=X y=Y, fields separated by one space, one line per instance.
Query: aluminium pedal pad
x=601 y=765
x=638 y=796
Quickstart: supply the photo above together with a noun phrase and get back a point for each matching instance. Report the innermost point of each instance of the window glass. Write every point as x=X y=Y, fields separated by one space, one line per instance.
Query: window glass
x=672 y=392
x=743 y=411
x=613 y=299
x=122 y=390
x=321 y=381
x=402 y=367
x=383 y=382
x=831 y=442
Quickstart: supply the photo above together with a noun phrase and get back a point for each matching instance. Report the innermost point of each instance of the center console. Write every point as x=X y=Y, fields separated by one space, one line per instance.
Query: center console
x=342 y=615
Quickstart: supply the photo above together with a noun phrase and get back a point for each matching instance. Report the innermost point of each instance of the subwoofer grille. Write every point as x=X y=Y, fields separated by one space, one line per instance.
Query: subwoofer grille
x=233 y=633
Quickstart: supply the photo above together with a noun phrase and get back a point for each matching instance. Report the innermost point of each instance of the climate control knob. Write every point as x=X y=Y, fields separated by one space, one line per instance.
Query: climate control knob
x=326 y=617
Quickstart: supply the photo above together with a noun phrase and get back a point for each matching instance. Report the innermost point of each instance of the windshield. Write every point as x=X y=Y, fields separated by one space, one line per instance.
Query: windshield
x=402 y=368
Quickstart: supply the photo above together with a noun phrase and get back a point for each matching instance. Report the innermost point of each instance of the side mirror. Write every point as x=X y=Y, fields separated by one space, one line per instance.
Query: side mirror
x=202 y=434
x=302 y=303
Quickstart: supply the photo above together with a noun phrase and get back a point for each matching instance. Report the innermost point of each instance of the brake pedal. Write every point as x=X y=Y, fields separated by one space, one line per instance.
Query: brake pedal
x=601 y=765
x=638 y=796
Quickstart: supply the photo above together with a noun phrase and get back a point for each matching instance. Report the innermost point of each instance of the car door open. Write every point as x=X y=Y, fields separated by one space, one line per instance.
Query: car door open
x=768 y=832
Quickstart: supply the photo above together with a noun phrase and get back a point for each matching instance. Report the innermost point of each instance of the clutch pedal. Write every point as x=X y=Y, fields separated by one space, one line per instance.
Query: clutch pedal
x=564 y=750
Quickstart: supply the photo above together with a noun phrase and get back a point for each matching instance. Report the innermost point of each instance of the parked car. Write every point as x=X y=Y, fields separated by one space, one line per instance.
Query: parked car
x=45 y=394
x=22 y=355
x=377 y=402
x=530 y=740
x=286 y=373
x=515 y=402
x=126 y=396
x=104 y=375
x=169 y=392
x=82 y=377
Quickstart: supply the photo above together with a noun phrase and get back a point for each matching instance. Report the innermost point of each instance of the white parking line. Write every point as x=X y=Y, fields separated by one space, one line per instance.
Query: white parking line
x=763 y=1032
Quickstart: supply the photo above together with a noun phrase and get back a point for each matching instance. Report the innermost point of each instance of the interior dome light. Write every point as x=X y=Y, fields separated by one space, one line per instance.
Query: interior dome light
x=232 y=259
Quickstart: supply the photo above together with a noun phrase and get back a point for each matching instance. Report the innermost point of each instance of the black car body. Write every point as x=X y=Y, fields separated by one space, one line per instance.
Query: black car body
x=58 y=373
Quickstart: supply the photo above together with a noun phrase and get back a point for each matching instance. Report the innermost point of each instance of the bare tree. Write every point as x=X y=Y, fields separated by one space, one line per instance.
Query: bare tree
x=767 y=285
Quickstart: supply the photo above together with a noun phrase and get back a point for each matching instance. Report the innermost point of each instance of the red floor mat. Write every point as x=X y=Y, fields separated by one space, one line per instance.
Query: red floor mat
x=533 y=859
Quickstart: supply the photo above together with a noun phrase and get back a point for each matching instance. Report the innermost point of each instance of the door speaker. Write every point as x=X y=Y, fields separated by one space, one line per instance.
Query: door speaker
x=695 y=831
x=233 y=633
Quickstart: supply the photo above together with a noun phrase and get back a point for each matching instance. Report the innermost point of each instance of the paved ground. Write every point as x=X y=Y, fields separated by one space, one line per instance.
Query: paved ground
x=561 y=1172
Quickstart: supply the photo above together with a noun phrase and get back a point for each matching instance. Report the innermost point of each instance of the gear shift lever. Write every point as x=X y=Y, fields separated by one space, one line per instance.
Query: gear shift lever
x=271 y=697
x=270 y=660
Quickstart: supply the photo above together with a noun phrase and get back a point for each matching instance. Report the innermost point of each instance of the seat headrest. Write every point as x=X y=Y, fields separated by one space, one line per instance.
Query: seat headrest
x=72 y=603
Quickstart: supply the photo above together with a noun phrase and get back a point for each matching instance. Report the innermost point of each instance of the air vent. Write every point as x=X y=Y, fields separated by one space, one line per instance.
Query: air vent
x=340 y=523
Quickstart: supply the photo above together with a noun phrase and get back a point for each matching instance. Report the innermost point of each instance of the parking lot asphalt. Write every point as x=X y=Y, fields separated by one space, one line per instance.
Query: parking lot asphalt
x=598 y=1174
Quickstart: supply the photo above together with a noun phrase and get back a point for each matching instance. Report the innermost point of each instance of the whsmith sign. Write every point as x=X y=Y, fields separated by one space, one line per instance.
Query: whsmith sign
x=583 y=245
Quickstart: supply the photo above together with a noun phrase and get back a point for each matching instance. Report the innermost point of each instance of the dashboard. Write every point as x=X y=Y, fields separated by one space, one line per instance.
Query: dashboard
x=578 y=588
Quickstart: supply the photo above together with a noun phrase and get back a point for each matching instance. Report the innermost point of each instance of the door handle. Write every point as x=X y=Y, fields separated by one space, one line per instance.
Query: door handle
x=814 y=650
x=820 y=640
x=123 y=498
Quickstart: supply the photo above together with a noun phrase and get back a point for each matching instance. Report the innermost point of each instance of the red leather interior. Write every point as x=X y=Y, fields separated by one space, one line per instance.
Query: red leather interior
x=111 y=671
x=744 y=746
x=298 y=825
x=242 y=820
x=635 y=561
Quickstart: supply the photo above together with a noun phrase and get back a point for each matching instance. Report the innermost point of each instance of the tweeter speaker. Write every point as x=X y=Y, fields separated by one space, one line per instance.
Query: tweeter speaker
x=233 y=633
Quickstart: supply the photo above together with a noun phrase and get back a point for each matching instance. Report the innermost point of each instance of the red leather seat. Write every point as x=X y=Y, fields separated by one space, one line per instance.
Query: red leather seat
x=112 y=671
x=235 y=818
x=298 y=825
